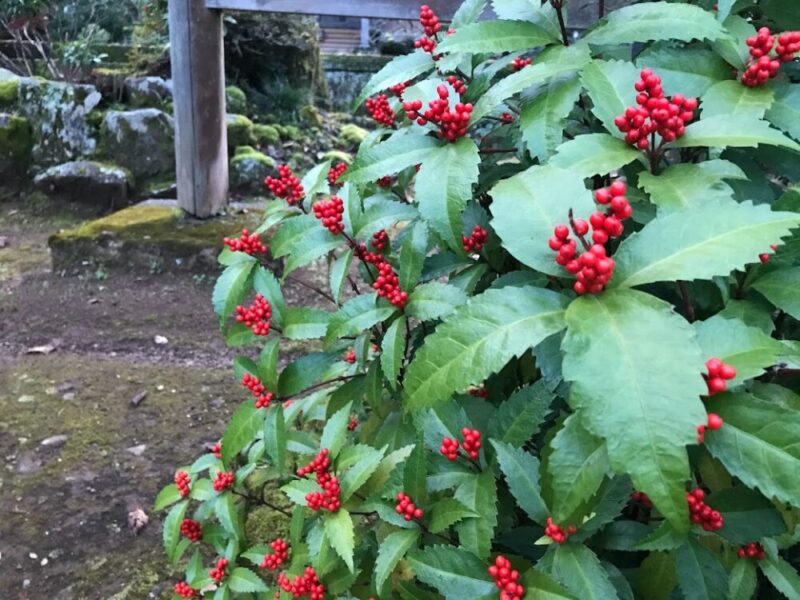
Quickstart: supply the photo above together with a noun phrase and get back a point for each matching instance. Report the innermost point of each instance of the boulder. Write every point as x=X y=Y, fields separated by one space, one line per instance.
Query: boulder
x=148 y=92
x=140 y=140
x=248 y=169
x=16 y=143
x=235 y=100
x=266 y=135
x=240 y=130
x=104 y=186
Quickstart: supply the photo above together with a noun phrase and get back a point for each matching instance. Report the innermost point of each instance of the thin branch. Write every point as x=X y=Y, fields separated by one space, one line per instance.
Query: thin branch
x=559 y=6
x=321 y=384
x=306 y=285
x=496 y=150
x=688 y=307
x=601 y=9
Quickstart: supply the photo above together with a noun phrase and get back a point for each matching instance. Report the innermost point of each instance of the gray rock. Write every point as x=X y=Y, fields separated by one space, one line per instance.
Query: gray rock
x=141 y=141
x=248 y=168
x=16 y=143
x=88 y=182
x=148 y=92
x=55 y=440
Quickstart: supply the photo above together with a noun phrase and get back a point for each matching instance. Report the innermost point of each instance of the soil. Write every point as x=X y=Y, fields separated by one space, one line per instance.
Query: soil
x=77 y=454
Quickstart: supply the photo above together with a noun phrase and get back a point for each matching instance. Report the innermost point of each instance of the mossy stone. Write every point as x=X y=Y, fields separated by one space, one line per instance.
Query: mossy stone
x=264 y=524
x=16 y=144
x=338 y=156
x=9 y=92
x=236 y=100
x=140 y=140
x=266 y=135
x=291 y=132
x=248 y=169
x=352 y=135
x=240 y=130
x=310 y=115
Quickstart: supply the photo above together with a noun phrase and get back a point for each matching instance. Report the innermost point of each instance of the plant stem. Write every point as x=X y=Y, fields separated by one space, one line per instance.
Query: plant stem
x=496 y=150
x=559 y=6
x=321 y=384
x=688 y=307
x=601 y=9
x=322 y=293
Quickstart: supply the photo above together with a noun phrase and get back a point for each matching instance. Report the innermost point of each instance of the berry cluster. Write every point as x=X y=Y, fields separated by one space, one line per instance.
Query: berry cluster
x=253 y=383
x=351 y=426
x=216 y=449
x=520 y=63
x=256 y=316
x=223 y=480
x=701 y=513
x=192 y=530
x=247 y=243
x=507 y=117
x=182 y=481
x=714 y=422
x=479 y=391
x=718 y=373
x=335 y=172
x=459 y=86
x=506 y=579
x=407 y=509
x=350 y=357
x=764 y=257
x=328 y=498
x=280 y=552
x=387 y=284
x=286 y=186
x=427 y=44
x=184 y=590
x=475 y=241
x=219 y=573
x=763 y=67
x=472 y=442
x=398 y=88
x=452 y=124
x=331 y=212
x=752 y=550
x=380 y=239
x=380 y=110
x=641 y=498
x=385 y=182
x=430 y=26
x=656 y=114
x=449 y=448
x=556 y=533
x=306 y=585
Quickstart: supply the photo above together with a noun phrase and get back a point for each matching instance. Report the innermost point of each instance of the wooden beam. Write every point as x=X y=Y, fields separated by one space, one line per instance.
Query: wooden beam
x=198 y=78
x=382 y=9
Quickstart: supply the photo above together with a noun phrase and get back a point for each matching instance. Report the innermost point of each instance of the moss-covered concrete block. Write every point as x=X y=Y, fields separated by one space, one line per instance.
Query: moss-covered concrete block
x=235 y=100
x=104 y=186
x=148 y=92
x=266 y=135
x=140 y=140
x=16 y=145
x=248 y=168
x=240 y=130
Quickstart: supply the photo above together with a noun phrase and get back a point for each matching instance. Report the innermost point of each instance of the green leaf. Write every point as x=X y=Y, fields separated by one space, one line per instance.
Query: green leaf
x=415 y=471
x=412 y=255
x=703 y=241
x=479 y=339
x=758 y=444
x=231 y=288
x=657 y=578
x=244 y=580
x=447 y=512
x=522 y=475
x=391 y=551
x=228 y=514
x=539 y=586
x=525 y=210
x=730 y=131
x=340 y=534
x=542 y=119
x=594 y=154
x=782 y=288
x=386 y=468
x=785 y=110
x=455 y=573
x=478 y=493
x=305 y=323
x=303 y=240
x=381 y=212
x=202 y=490
x=402 y=150
x=733 y=48
x=684 y=185
x=690 y=70
x=268 y=363
x=339 y=272
x=782 y=575
x=398 y=70
x=335 y=432
x=392 y=351
x=656 y=21
x=297 y=490
x=748 y=515
x=700 y=574
x=266 y=284
x=357 y=315
x=742 y=580
x=194 y=569
x=517 y=419
x=541 y=14
x=168 y=495
x=172 y=527
x=361 y=471
x=444 y=185
x=610 y=87
x=275 y=436
x=579 y=570
x=316 y=182
x=495 y=36
x=664 y=403
x=724 y=9
x=245 y=423
x=469 y=12
x=553 y=61
x=434 y=300
x=733 y=98
x=577 y=466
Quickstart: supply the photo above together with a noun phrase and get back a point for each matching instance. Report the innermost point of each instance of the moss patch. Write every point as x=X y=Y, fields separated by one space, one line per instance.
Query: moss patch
x=16 y=143
x=290 y=132
x=352 y=135
x=9 y=92
x=338 y=156
x=310 y=115
x=240 y=130
x=236 y=100
x=266 y=135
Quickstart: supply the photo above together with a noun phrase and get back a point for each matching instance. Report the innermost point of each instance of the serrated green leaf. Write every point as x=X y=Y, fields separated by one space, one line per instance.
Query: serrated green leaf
x=742 y=580
x=245 y=423
x=268 y=363
x=455 y=573
x=495 y=36
x=275 y=436
x=479 y=494
x=266 y=284
x=638 y=330
x=335 y=431
x=525 y=210
x=316 y=182
x=579 y=570
x=412 y=255
x=700 y=574
x=479 y=339
x=748 y=515
x=391 y=551
x=468 y=12
x=782 y=288
x=520 y=417
x=244 y=580
x=382 y=211
x=782 y=575
x=305 y=323
x=357 y=315
x=168 y=495
x=228 y=514
x=447 y=512
x=434 y=300
x=358 y=474
x=392 y=351
x=172 y=527
x=542 y=119
x=685 y=69
x=402 y=150
x=785 y=110
x=733 y=47
x=543 y=15
x=444 y=185
x=195 y=567
x=231 y=288
x=758 y=444
x=540 y=586
x=339 y=532
x=610 y=87
x=594 y=154
x=657 y=578
x=684 y=185
x=700 y=242
x=339 y=272
x=723 y=131
x=733 y=98
x=387 y=466
x=202 y=490
x=296 y=490
x=656 y=21
x=522 y=475
x=415 y=472
x=398 y=70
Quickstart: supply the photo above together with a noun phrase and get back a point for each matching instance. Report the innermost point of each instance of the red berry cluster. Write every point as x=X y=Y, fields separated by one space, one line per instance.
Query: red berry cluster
x=335 y=172
x=450 y=448
x=253 y=383
x=280 y=552
x=452 y=124
x=247 y=243
x=182 y=481
x=718 y=373
x=286 y=186
x=642 y=499
x=506 y=579
x=331 y=212
x=752 y=550
x=520 y=63
x=407 y=509
x=479 y=391
x=216 y=449
x=459 y=86
x=387 y=284
x=429 y=21
x=380 y=110
x=427 y=44
x=223 y=480
x=351 y=426
x=256 y=316
x=609 y=224
x=192 y=530
x=507 y=117
x=398 y=88
x=219 y=573
x=184 y=590
x=701 y=513
x=328 y=498
x=380 y=239
x=764 y=258
x=556 y=533
x=714 y=422
x=475 y=241
x=350 y=356
x=763 y=67
x=306 y=585
x=656 y=113
x=385 y=181
x=472 y=442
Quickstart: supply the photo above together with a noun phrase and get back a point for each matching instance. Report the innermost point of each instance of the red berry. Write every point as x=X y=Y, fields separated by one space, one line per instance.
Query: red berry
x=247 y=243
x=286 y=186
x=257 y=316
x=714 y=421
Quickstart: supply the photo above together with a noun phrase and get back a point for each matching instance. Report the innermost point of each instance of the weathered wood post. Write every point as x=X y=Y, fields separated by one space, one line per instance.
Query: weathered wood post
x=198 y=78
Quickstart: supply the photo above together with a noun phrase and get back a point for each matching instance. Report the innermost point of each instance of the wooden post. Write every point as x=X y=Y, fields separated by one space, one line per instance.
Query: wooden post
x=198 y=79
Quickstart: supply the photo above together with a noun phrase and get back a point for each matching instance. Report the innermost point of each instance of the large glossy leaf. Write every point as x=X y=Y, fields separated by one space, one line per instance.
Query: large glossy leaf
x=683 y=185
x=391 y=551
x=172 y=527
x=245 y=423
x=231 y=288
x=444 y=185
x=455 y=573
x=782 y=575
x=742 y=580
x=305 y=323
x=521 y=470
x=521 y=416
x=610 y=87
x=689 y=70
x=579 y=570
x=479 y=339
x=356 y=315
x=733 y=98
x=403 y=149
x=703 y=241
x=479 y=494
x=594 y=154
x=540 y=586
x=434 y=300
x=542 y=119
x=244 y=580
x=392 y=350
x=656 y=21
x=700 y=574
x=535 y=12
x=398 y=70
x=639 y=331
x=415 y=471
x=733 y=48
x=335 y=431
x=785 y=110
x=657 y=578
x=528 y=206
x=339 y=532
x=748 y=515
x=447 y=512
x=275 y=436
x=303 y=239
x=722 y=131
x=782 y=288
x=495 y=36
x=758 y=444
